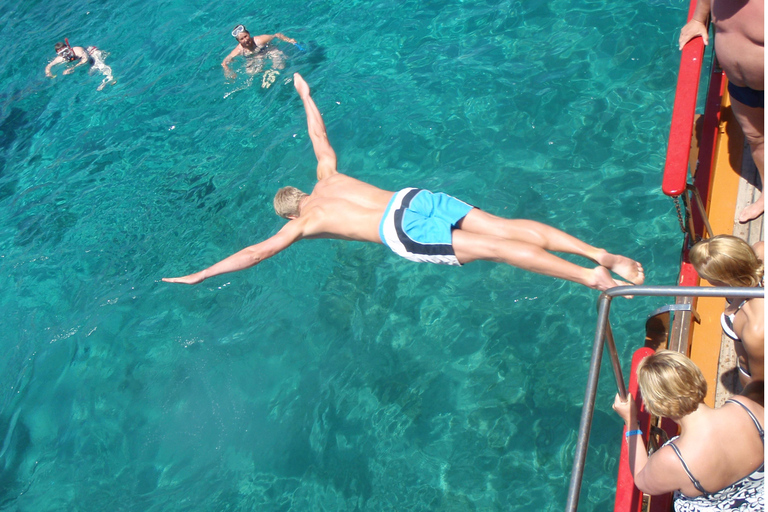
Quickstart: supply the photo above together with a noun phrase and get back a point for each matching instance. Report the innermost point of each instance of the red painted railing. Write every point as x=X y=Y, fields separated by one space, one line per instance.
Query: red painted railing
x=628 y=497
x=683 y=111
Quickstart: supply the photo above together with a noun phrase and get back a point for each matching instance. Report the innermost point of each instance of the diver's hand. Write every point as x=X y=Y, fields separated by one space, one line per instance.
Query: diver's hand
x=69 y=71
x=195 y=278
x=691 y=30
x=230 y=74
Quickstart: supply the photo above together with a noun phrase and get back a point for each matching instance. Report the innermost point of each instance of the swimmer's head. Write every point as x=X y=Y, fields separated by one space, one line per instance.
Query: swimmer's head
x=63 y=51
x=241 y=34
x=287 y=202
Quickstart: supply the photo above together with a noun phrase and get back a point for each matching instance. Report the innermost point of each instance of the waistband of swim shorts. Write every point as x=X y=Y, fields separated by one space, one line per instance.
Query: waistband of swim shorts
x=394 y=204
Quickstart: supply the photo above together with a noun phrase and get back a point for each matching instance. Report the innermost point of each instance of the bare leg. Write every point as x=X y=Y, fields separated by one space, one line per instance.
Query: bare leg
x=549 y=238
x=752 y=124
x=100 y=65
x=527 y=256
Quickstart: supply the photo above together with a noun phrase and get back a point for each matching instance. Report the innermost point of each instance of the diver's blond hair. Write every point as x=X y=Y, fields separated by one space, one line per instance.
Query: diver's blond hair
x=727 y=259
x=287 y=201
x=671 y=384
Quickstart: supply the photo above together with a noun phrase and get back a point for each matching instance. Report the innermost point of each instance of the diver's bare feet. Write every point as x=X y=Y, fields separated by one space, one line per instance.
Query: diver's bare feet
x=752 y=211
x=625 y=267
x=301 y=85
x=602 y=280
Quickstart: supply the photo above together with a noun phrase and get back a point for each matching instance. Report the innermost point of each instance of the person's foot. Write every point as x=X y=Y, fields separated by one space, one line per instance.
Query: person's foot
x=602 y=280
x=752 y=211
x=300 y=84
x=622 y=266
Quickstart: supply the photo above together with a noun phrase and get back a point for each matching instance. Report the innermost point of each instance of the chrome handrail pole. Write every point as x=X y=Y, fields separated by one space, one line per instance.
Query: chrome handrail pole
x=614 y=354
x=686 y=291
x=582 y=443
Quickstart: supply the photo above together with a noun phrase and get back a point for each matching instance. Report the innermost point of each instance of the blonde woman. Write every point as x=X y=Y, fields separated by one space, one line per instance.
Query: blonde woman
x=716 y=463
x=726 y=260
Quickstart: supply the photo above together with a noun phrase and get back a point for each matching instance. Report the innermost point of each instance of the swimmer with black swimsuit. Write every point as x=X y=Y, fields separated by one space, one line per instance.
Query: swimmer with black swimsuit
x=256 y=50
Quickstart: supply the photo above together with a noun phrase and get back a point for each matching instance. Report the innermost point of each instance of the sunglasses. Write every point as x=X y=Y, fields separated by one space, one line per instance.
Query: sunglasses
x=238 y=30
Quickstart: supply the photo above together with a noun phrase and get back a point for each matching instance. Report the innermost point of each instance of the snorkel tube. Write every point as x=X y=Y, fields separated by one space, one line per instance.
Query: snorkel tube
x=66 y=51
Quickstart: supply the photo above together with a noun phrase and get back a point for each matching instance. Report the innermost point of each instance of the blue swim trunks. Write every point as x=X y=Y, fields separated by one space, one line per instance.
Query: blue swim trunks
x=747 y=96
x=417 y=225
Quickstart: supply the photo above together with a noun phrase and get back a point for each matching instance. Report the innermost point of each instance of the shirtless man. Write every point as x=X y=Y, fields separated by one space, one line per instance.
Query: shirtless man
x=416 y=224
x=739 y=29
x=256 y=49
x=92 y=56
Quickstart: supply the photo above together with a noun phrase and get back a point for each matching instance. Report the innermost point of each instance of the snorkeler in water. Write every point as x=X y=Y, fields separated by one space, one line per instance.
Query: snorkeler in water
x=256 y=50
x=66 y=54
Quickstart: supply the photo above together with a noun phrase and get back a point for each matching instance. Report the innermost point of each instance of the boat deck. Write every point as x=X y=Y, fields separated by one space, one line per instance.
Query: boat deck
x=732 y=189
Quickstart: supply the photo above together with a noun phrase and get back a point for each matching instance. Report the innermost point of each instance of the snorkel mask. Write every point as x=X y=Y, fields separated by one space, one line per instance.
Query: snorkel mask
x=66 y=52
x=238 y=30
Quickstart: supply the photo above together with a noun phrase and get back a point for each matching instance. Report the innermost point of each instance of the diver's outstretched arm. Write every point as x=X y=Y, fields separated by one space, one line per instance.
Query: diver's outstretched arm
x=247 y=257
x=326 y=156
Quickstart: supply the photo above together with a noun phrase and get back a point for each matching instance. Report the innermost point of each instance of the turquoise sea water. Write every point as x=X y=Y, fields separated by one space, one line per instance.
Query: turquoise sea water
x=335 y=376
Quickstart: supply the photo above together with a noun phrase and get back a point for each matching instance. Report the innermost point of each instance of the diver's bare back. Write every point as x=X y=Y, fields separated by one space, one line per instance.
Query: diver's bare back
x=342 y=207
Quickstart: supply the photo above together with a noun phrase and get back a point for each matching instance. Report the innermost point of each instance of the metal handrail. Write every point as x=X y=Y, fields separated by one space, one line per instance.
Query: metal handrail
x=603 y=333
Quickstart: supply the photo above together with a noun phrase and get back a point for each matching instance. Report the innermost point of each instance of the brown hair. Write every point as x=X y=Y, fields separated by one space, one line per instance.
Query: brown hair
x=727 y=259
x=672 y=385
x=287 y=201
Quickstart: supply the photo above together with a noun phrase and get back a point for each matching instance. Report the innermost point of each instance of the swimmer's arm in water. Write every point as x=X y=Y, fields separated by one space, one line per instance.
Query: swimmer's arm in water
x=225 y=63
x=248 y=257
x=697 y=27
x=264 y=39
x=57 y=60
x=84 y=59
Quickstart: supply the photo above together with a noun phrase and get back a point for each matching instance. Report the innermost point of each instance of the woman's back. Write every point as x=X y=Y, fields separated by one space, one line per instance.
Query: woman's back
x=720 y=448
x=749 y=326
